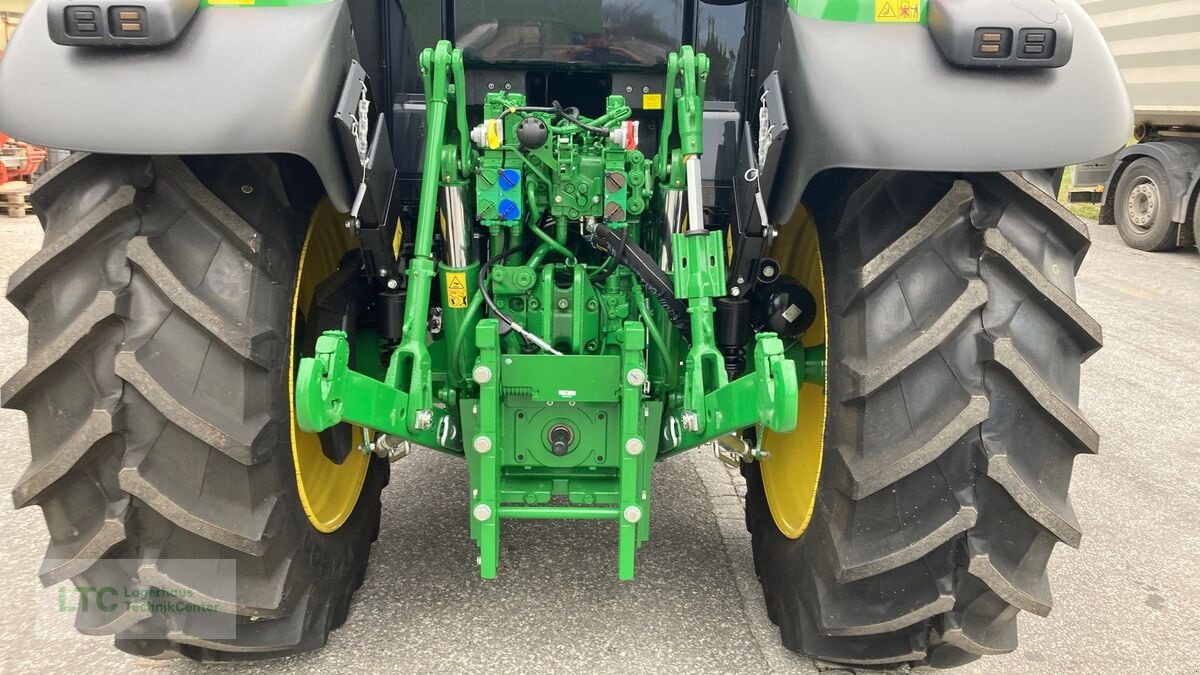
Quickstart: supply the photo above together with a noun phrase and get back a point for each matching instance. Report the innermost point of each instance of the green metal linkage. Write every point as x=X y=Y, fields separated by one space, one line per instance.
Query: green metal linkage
x=484 y=450
x=635 y=497
x=698 y=256
x=411 y=368
x=699 y=263
x=328 y=393
x=547 y=435
x=767 y=396
x=560 y=512
x=603 y=473
x=683 y=105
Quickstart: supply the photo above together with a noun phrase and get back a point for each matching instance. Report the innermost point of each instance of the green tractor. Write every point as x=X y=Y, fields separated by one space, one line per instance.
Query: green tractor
x=561 y=241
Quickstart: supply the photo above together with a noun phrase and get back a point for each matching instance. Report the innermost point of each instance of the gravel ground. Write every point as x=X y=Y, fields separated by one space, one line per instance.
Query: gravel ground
x=1125 y=603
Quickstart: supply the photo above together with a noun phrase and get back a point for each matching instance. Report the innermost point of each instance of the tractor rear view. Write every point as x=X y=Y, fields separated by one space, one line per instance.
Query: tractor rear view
x=562 y=242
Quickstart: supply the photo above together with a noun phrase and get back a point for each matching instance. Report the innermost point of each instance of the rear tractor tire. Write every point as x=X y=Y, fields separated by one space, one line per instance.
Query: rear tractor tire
x=954 y=349
x=157 y=394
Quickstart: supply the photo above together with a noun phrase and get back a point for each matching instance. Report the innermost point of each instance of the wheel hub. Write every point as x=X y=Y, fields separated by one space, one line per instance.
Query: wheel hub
x=792 y=466
x=328 y=488
x=1142 y=205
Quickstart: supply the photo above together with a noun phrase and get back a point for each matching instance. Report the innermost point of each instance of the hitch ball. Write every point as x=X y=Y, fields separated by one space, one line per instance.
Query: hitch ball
x=560 y=437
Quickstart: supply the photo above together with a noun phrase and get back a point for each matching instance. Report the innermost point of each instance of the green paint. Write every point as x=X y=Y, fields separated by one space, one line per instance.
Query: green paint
x=410 y=368
x=810 y=363
x=857 y=11
x=545 y=436
x=683 y=113
x=767 y=396
x=328 y=393
x=262 y=3
x=559 y=513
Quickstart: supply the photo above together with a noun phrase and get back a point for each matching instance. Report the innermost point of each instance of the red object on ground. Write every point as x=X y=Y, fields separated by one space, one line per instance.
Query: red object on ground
x=30 y=158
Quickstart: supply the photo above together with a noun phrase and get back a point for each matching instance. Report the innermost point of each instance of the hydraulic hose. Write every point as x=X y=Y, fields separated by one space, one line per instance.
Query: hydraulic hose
x=484 y=271
x=658 y=284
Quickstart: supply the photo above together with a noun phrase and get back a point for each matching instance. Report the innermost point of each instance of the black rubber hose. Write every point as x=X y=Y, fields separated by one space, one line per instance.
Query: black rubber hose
x=485 y=271
x=656 y=281
x=574 y=119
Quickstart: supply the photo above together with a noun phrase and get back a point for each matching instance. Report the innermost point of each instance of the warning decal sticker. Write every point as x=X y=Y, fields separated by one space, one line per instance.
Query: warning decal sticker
x=456 y=290
x=900 y=11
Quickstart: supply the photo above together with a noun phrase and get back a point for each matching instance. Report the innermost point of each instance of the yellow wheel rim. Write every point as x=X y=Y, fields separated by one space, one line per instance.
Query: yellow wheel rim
x=328 y=491
x=791 y=472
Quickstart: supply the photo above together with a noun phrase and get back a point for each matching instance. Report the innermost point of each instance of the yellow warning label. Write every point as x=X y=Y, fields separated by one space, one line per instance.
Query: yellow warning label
x=652 y=101
x=456 y=290
x=231 y=2
x=899 y=11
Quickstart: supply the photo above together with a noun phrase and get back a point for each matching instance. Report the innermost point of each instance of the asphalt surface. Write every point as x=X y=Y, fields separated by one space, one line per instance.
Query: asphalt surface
x=1128 y=602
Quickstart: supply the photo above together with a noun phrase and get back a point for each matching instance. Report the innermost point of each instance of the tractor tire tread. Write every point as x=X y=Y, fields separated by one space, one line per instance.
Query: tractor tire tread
x=159 y=436
x=955 y=342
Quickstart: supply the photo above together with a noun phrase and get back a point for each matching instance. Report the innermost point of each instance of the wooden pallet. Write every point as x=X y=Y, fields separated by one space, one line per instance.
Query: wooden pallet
x=14 y=199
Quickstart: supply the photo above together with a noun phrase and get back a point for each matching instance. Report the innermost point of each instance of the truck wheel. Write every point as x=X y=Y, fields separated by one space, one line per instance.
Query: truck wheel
x=1196 y=222
x=953 y=346
x=1143 y=207
x=157 y=392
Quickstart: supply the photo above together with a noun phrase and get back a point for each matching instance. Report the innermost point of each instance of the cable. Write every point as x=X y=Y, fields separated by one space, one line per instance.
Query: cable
x=605 y=273
x=487 y=297
x=524 y=108
x=558 y=109
x=656 y=281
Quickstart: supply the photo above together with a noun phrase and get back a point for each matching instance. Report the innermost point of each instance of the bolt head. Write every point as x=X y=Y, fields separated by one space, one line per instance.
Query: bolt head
x=482 y=512
x=482 y=374
x=424 y=419
x=632 y=514
x=636 y=377
x=393 y=284
x=634 y=446
x=689 y=421
x=482 y=444
x=563 y=303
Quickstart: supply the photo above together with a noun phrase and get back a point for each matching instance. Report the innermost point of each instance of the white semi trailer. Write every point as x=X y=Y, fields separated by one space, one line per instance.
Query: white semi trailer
x=1150 y=189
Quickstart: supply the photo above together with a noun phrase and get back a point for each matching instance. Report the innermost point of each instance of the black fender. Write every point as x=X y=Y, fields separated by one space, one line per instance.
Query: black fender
x=882 y=96
x=238 y=80
x=1180 y=160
